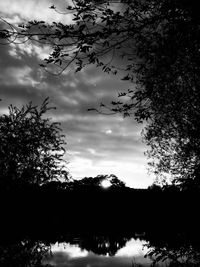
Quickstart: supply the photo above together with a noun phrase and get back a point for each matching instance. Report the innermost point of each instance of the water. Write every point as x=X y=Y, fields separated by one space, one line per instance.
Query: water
x=65 y=254
x=97 y=249
x=118 y=231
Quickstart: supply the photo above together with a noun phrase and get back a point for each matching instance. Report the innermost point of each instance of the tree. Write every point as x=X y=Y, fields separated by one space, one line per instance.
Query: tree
x=31 y=147
x=24 y=253
x=96 y=181
x=158 y=43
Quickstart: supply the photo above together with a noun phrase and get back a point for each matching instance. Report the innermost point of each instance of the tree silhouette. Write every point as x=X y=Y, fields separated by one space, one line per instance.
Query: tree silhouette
x=157 y=43
x=97 y=181
x=31 y=147
x=24 y=253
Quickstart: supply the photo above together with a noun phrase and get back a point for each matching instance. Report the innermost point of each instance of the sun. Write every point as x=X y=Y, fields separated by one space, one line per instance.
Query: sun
x=105 y=184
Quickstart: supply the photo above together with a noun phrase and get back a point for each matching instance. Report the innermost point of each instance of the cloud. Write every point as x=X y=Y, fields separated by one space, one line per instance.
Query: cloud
x=29 y=49
x=33 y=10
x=96 y=144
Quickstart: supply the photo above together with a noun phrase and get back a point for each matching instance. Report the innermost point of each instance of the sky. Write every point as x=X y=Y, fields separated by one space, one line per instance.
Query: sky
x=96 y=144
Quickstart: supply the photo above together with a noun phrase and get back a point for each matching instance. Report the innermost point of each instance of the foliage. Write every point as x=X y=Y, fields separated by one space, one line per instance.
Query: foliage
x=25 y=253
x=97 y=181
x=183 y=256
x=157 y=45
x=31 y=147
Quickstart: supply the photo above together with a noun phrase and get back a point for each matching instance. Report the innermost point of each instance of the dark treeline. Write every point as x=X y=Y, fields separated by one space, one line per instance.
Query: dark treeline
x=88 y=206
x=101 y=220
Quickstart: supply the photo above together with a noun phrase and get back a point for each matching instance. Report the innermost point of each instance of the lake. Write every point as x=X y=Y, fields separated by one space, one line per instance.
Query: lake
x=135 y=229
x=66 y=254
x=85 y=249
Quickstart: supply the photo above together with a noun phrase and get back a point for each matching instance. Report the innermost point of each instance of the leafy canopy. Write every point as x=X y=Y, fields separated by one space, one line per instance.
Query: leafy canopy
x=31 y=146
x=95 y=182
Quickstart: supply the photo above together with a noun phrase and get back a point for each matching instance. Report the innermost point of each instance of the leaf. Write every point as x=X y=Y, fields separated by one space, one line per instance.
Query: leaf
x=126 y=78
x=78 y=69
x=50 y=60
x=82 y=27
x=121 y=94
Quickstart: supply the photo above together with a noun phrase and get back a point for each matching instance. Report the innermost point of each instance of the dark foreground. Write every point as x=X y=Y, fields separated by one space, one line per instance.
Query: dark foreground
x=101 y=222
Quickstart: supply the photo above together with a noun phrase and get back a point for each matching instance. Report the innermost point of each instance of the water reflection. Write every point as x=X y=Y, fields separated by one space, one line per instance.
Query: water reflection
x=133 y=248
x=23 y=253
x=72 y=255
x=111 y=233
x=101 y=250
x=175 y=254
x=101 y=245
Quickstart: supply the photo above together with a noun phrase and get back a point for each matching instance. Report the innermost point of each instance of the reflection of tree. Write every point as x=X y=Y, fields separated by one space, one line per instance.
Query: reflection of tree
x=102 y=245
x=31 y=253
x=182 y=256
x=178 y=250
x=26 y=253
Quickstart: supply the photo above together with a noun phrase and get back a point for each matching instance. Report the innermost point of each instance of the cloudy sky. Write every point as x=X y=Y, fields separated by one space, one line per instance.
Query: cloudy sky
x=96 y=144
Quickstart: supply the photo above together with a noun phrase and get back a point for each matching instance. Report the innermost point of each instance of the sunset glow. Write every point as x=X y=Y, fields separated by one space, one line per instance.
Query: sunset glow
x=106 y=184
